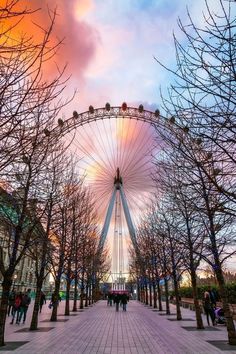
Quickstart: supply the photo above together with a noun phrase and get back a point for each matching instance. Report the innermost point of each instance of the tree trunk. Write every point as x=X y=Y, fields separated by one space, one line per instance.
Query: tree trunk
x=93 y=293
x=81 y=306
x=176 y=289
x=195 y=299
x=75 y=295
x=167 y=297
x=55 y=305
x=154 y=296
x=159 y=296
x=138 y=292
x=90 y=294
x=150 y=294
x=141 y=293
x=6 y=286
x=67 y=305
x=86 y=296
x=34 y=320
x=225 y=303
x=146 y=295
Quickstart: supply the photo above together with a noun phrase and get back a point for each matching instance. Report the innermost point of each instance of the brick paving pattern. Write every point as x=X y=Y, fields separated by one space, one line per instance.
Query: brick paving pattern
x=100 y=329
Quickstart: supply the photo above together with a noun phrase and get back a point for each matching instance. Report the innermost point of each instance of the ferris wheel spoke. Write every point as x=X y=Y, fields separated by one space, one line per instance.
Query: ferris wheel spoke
x=125 y=142
x=89 y=156
x=141 y=150
x=117 y=147
x=111 y=141
x=140 y=169
x=105 y=149
x=135 y=138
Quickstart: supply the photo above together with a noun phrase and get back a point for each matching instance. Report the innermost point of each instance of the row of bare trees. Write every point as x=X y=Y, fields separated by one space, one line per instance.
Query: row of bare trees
x=48 y=212
x=193 y=218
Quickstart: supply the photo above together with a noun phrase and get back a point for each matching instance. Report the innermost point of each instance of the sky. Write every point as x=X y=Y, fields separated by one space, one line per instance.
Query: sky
x=110 y=46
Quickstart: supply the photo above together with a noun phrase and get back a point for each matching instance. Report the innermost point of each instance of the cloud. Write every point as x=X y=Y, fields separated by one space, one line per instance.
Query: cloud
x=79 y=38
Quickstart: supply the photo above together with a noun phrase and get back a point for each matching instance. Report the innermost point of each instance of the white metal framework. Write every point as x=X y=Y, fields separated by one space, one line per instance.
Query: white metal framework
x=118 y=197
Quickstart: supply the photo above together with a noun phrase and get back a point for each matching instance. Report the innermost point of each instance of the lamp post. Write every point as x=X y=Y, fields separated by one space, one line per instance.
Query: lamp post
x=14 y=280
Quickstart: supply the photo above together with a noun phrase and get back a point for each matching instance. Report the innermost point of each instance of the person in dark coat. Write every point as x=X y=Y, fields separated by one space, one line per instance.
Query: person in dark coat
x=16 y=310
x=124 y=300
x=208 y=308
x=109 y=299
x=213 y=296
x=26 y=300
x=116 y=299
x=42 y=300
x=11 y=301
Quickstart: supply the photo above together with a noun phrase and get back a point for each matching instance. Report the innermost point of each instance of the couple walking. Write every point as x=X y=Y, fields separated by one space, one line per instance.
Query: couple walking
x=121 y=299
x=20 y=306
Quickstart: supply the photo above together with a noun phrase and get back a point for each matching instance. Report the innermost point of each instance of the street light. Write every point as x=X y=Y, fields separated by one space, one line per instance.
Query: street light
x=14 y=280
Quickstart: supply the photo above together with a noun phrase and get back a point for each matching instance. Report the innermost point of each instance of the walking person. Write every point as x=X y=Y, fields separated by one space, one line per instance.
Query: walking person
x=117 y=301
x=16 y=308
x=124 y=300
x=11 y=301
x=109 y=299
x=213 y=296
x=208 y=308
x=42 y=301
x=26 y=300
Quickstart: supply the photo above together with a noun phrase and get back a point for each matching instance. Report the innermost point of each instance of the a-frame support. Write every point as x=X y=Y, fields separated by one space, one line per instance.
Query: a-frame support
x=118 y=187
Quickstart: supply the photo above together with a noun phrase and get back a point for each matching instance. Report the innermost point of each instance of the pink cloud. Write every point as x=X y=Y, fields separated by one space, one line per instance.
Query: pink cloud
x=79 y=38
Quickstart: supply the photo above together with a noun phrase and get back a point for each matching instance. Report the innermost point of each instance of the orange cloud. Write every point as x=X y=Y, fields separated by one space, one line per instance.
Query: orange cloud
x=79 y=38
x=82 y=7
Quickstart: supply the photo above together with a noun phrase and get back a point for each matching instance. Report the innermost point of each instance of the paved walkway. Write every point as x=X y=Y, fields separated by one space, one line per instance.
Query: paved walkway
x=99 y=329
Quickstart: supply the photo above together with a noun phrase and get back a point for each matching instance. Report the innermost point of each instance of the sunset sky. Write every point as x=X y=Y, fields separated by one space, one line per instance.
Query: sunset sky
x=109 y=46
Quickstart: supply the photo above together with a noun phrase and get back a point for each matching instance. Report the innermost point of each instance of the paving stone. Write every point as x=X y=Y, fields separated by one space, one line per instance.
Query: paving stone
x=222 y=345
x=10 y=346
x=58 y=320
x=189 y=328
x=71 y=314
x=183 y=319
x=103 y=330
x=39 y=329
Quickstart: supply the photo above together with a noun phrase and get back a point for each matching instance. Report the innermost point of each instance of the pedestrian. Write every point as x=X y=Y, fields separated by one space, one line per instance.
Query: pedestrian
x=16 y=307
x=124 y=300
x=208 y=308
x=213 y=296
x=26 y=300
x=54 y=300
x=42 y=300
x=11 y=301
x=116 y=300
x=109 y=299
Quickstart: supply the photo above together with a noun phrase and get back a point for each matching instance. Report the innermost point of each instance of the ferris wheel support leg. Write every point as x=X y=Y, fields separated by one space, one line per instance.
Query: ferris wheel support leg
x=128 y=217
x=107 y=220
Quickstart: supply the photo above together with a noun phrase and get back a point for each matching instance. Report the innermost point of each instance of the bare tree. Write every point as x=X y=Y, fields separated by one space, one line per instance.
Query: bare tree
x=42 y=251
x=29 y=106
x=201 y=104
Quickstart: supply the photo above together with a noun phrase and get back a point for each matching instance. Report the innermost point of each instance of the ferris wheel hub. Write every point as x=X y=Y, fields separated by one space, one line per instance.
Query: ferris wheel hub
x=118 y=179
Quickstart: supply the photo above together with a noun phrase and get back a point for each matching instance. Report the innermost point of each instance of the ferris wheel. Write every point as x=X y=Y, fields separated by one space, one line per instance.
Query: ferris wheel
x=115 y=147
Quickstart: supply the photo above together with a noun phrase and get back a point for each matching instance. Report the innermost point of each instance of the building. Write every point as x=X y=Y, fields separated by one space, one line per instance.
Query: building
x=24 y=275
